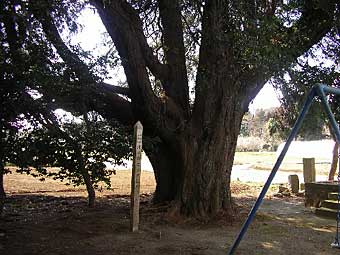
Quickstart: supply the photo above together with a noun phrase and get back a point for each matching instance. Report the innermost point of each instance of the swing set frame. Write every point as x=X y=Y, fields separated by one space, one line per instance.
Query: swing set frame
x=320 y=91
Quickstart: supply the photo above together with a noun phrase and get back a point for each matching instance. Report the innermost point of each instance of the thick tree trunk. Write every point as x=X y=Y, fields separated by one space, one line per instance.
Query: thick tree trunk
x=197 y=174
x=167 y=170
x=208 y=165
x=335 y=160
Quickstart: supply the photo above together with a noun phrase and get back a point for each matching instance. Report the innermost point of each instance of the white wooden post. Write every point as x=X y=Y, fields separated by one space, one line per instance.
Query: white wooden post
x=136 y=170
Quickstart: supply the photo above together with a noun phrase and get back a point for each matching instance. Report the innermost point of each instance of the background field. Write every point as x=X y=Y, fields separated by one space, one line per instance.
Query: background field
x=266 y=161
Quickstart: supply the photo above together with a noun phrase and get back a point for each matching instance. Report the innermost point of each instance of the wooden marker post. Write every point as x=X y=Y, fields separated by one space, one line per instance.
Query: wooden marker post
x=309 y=170
x=136 y=170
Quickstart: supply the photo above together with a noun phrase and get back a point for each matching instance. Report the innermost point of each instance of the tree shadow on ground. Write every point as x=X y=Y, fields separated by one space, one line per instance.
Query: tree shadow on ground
x=51 y=224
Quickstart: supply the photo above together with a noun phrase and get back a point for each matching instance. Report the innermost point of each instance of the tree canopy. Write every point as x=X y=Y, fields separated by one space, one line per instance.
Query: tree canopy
x=318 y=65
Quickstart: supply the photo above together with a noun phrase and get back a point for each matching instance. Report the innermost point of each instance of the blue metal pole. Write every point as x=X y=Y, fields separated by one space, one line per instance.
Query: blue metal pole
x=321 y=89
x=327 y=89
x=279 y=160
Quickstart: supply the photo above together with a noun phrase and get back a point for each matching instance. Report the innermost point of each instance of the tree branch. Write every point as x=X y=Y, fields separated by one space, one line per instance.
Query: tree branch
x=214 y=72
x=102 y=97
x=115 y=89
x=123 y=11
x=177 y=88
x=13 y=39
x=112 y=106
x=52 y=34
x=313 y=25
x=124 y=25
x=125 y=28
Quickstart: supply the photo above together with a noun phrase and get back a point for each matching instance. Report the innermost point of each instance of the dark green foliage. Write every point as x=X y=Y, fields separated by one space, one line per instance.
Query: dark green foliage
x=318 y=66
x=313 y=127
x=33 y=77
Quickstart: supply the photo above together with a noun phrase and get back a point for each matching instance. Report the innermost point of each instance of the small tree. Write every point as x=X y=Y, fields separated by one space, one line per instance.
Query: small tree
x=80 y=150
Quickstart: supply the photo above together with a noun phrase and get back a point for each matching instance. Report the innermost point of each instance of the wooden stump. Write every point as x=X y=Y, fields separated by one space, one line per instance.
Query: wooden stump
x=293 y=181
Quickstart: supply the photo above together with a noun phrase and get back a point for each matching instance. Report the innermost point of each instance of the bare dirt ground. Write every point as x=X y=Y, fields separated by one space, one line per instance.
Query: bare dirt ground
x=50 y=218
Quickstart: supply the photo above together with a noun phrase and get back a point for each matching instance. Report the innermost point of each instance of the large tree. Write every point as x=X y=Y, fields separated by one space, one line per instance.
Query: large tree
x=227 y=49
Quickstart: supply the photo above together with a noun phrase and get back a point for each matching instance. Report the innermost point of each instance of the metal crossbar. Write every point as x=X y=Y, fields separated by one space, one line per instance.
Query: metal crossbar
x=319 y=90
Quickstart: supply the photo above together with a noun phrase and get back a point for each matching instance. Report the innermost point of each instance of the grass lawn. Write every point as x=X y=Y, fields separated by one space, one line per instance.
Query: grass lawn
x=266 y=161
